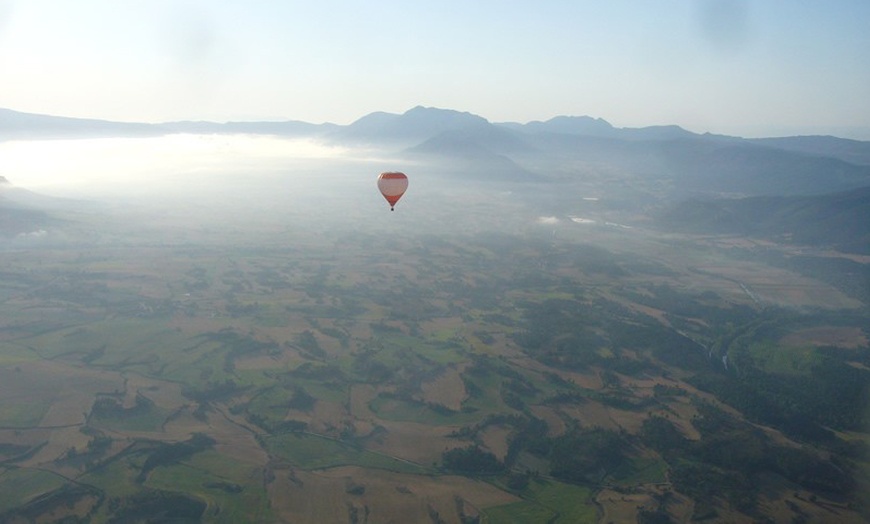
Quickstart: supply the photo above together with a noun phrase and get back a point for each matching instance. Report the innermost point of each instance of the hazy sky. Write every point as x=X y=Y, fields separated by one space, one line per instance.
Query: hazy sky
x=751 y=68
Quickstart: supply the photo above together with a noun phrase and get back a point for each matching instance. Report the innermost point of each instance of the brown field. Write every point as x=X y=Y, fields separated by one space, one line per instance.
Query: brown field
x=598 y=415
x=447 y=389
x=333 y=495
x=236 y=439
x=589 y=380
x=69 y=392
x=804 y=294
x=623 y=507
x=418 y=443
x=774 y=285
x=495 y=439
x=657 y=314
x=680 y=412
x=844 y=337
x=706 y=270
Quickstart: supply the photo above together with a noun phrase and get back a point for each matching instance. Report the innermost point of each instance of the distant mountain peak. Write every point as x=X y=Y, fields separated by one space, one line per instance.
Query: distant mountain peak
x=3 y=180
x=440 y=120
x=598 y=127
x=437 y=112
x=584 y=120
x=571 y=125
x=417 y=123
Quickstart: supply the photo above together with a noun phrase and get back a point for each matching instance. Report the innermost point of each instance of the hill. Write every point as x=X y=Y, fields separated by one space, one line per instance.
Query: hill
x=24 y=126
x=413 y=126
x=598 y=127
x=18 y=125
x=28 y=214
x=840 y=221
x=853 y=151
x=744 y=168
x=463 y=154
x=16 y=217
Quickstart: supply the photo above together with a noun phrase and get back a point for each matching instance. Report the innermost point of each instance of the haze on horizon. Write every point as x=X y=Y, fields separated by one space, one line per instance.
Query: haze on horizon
x=721 y=66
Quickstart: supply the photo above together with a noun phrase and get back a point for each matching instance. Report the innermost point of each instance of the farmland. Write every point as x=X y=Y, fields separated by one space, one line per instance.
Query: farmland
x=488 y=374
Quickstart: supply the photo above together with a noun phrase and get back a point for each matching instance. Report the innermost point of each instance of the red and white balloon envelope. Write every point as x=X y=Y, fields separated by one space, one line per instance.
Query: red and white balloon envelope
x=393 y=185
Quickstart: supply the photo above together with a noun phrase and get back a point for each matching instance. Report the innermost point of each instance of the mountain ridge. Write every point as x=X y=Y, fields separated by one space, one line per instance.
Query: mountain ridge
x=12 y=121
x=691 y=163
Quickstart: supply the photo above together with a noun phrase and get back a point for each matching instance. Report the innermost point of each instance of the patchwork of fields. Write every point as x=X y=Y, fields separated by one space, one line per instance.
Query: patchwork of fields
x=484 y=377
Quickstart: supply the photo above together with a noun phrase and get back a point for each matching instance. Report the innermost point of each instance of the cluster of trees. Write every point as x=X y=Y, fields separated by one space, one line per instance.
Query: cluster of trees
x=309 y=346
x=167 y=454
x=821 y=390
x=156 y=506
x=585 y=456
x=110 y=407
x=835 y=395
x=237 y=345
x=730 y=457
x=580 y=456
x=569 y=334
x=561 y=333
x=275 y=426
x=472 y=460
x=301 y=399
x=214 y=391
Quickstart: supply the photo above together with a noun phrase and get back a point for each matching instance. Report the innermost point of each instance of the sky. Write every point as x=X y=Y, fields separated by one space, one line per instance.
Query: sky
x=739 y=67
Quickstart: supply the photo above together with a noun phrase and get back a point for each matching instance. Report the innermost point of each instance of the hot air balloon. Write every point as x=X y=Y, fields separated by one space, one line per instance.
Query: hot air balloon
x=392 y=186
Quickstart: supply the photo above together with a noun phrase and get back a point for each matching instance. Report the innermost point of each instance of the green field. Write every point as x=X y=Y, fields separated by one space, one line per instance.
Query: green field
x=232 y=492
x=19 y=486
x=547 y=501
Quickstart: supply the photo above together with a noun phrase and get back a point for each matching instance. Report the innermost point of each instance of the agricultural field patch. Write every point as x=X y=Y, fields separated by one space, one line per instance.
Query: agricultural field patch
x=314 y=452
x=548 y=501
x=790 y=360
x=337 y=494
x=240 y=498
x=839 y=336
x=18 y=485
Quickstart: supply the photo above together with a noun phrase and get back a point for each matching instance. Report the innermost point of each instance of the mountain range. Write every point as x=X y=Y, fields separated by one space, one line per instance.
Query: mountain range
x=698 y=162
x=416 y=125
x=686 y=168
